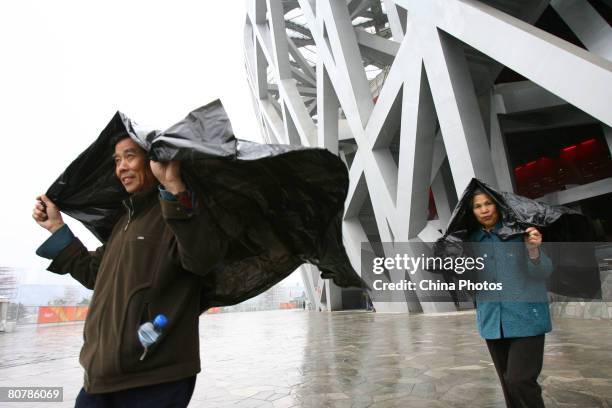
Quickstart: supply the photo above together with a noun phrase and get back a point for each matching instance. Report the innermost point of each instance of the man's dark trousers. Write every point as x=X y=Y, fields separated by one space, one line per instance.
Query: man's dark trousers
x=176 y=394
x=518 y=362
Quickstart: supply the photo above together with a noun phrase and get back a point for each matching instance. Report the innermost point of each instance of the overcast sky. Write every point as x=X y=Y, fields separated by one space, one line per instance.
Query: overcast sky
x=68 y=65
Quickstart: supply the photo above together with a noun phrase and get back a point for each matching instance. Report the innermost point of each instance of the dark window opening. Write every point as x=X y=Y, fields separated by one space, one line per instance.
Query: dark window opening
x=598 y=210
x=550 y=160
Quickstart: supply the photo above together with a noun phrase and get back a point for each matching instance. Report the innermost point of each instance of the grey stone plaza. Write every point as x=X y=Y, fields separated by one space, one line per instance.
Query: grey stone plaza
x=341 y=359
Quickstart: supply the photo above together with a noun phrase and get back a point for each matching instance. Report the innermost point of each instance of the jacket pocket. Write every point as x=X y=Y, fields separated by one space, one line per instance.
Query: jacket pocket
x=137 y=312
x=136 y=274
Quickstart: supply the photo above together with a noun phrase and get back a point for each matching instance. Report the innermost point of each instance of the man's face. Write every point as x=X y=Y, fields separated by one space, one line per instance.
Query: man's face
x=132 y=167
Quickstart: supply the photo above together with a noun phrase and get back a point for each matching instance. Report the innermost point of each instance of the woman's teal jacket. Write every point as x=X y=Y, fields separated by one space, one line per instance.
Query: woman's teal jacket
x=520 y=309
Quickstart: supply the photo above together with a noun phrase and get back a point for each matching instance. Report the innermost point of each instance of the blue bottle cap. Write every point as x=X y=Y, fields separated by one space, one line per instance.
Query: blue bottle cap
x=160 y=321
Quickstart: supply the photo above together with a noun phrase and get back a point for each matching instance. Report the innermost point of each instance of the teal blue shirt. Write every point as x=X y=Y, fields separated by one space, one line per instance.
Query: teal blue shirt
x=521 y=309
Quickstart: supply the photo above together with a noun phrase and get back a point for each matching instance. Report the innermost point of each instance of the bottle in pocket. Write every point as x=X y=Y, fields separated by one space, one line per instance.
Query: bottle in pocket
x=149 y=332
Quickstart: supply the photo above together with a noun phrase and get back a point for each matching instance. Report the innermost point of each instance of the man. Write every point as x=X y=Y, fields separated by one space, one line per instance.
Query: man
x=153 y=263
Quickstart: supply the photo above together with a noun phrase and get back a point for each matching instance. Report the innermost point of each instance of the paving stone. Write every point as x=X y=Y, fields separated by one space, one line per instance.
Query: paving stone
x=300 y=359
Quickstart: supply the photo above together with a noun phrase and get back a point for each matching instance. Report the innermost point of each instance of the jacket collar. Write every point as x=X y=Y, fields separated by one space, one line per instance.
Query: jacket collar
x=480 y=233
x=139 y=201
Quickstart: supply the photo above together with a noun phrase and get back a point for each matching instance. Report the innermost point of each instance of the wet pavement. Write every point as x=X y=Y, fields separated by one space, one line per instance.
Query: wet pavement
x=342 y=359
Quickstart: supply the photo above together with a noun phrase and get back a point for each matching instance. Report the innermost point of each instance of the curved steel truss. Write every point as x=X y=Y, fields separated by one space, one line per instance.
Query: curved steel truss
x=407 y=93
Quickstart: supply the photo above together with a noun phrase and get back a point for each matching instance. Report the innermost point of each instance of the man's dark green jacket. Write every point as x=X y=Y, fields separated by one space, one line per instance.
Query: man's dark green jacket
x=154 y=263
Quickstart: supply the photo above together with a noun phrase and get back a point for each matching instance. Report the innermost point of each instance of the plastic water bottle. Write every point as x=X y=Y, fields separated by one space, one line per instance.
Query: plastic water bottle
x=149 y=332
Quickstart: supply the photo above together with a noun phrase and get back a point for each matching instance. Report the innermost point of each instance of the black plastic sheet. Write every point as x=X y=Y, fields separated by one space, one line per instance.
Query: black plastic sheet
x=278 y=205
x=576 y=272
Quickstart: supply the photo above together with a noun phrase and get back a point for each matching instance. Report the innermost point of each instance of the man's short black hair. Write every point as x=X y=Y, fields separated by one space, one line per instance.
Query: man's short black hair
x=116 y=138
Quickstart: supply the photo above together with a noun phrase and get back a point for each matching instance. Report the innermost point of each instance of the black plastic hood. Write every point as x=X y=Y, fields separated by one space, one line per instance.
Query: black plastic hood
x=567 y=237
x=261 y=196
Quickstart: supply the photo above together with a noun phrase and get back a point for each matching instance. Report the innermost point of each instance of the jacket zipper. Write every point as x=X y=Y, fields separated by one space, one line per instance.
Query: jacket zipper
x=130 y=213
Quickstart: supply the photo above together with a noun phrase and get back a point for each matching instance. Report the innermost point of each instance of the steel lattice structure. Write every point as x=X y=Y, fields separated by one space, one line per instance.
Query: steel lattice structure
x=405 y=92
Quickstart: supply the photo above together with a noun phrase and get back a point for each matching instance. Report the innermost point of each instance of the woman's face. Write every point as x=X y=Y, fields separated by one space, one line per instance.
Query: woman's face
x=485 y=210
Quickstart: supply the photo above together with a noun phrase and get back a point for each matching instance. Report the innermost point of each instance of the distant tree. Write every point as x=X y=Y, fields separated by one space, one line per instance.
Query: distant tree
x=26 y=314
x=21 y=311
x=58 y=302
x=84 y=302
x=71 y=295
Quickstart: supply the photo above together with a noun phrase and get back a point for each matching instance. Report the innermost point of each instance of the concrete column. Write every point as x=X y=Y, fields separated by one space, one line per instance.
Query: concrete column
x=608 y=133
x=334 y=296
x=590 y=27
x=444 y=195
x=499 y=153
x=327 y=111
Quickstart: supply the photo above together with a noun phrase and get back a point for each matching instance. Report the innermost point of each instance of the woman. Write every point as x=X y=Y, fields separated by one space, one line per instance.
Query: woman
x=514 y=321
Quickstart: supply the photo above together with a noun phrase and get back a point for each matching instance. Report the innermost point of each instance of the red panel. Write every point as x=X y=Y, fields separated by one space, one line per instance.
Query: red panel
x=581 y=163
x=57 y=314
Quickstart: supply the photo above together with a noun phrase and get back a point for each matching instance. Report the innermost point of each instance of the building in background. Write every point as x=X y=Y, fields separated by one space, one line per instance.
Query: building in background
x=418 y=97
x=281 y=296
x=8 y=293
x=8 y=283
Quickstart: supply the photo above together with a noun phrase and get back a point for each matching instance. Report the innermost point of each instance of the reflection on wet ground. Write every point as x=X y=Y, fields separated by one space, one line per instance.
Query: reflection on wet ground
x=341 y=359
